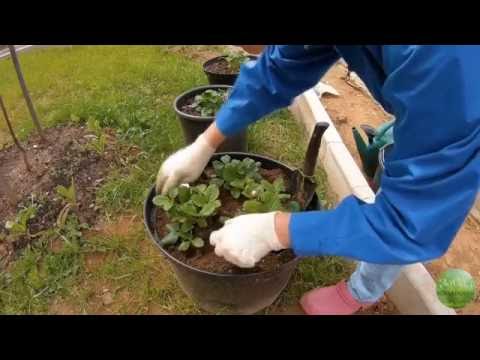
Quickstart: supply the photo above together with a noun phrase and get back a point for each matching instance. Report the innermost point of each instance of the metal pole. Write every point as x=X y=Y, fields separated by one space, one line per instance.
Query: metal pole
x=14 y=137
x=25 y=91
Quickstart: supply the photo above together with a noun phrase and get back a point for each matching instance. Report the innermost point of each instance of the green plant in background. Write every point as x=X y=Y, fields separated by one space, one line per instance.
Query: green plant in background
x=266 y=197
x=235 y=60
x=99 y=141
x=188 y=207
x=98 y=144
x=70 y=230
x=235 y=175
x=39 y=273
x=69 y=194
x=209 y=101
x=94 y=126
x=19 y=226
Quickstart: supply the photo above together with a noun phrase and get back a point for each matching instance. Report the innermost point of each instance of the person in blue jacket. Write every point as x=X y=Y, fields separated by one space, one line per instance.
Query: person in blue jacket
x=431 y=175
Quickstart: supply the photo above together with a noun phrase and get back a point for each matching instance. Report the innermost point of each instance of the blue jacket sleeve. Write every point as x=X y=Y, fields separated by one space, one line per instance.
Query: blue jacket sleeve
x=279 y=75
x=432 y=174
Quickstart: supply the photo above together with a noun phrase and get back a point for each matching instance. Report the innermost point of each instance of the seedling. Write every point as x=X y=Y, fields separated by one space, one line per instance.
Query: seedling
x=69 y=194
x=209 y=102
x=235 y=60
x=71 y=229
x=99 y=142
x=267 y=197
x=188 y=207
x=94 y=126
x=239 y=177
x=19 y=226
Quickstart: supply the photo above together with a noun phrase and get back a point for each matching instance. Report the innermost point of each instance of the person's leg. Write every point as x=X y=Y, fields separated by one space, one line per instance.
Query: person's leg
x=370 y=281
x=366 y=286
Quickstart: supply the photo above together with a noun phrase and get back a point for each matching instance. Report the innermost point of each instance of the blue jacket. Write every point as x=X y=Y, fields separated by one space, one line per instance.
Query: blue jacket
x=432 y=174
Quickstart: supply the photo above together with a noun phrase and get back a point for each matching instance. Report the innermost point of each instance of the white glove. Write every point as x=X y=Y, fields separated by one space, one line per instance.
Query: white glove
x=184 y=166
x=246 y=239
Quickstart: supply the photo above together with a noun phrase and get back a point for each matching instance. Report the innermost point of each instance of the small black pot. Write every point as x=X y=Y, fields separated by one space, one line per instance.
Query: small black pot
x=193 y=125
x=223 y=79
x=228 y=293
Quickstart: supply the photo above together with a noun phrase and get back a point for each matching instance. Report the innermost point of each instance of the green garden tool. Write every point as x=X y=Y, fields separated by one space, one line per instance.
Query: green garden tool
x=377 y=138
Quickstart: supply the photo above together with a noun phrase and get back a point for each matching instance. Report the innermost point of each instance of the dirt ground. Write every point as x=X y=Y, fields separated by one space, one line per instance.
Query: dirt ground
x=64 y=157
x=354 y=107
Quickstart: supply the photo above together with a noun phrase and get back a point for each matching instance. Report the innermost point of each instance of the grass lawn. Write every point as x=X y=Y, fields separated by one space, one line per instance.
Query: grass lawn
x=129 y=89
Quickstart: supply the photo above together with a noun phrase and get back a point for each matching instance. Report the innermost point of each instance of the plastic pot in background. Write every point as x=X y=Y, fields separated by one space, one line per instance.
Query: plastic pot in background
x=216 y=78
x=193 y=125
x=228 y=293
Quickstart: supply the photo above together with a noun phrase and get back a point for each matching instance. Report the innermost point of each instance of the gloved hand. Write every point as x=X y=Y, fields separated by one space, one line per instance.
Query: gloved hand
x=246 y=239
x=184 y=166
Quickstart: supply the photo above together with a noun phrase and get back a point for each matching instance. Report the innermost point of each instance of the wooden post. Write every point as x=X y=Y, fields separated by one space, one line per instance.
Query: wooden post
x=14 y=137
x=25 y=91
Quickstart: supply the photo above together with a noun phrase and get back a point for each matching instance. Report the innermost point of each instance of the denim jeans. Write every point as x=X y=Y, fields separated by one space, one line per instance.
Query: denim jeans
x=370 y=281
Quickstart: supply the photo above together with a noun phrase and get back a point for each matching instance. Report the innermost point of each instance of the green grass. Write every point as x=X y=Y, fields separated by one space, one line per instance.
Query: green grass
x=42 y=272
x=135 y=266
x=129 y=89
x=122 y=86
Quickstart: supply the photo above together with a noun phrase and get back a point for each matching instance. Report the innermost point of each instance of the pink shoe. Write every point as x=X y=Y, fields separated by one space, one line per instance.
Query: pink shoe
x=331 y=300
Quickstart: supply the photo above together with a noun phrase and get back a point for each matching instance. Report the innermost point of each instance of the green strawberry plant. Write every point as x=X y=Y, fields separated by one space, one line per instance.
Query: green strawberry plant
x=190 y=206
x=236 y=176
x=209 y=101
x=187 y=207
x=19 y=226
x=267 y=197
x=235 y=60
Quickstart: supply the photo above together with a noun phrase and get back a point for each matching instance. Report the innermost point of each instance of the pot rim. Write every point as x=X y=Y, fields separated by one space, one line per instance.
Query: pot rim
x=188 y=93
x=153 y=236
x=216 y=58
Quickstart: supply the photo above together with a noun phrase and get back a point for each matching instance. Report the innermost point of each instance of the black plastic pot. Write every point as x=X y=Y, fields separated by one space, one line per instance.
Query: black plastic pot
x=228 y=293
x=224 y=79
x=193 y=125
